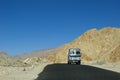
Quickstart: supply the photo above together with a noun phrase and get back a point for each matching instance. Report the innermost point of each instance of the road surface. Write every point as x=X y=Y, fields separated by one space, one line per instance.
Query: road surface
x=76 y=72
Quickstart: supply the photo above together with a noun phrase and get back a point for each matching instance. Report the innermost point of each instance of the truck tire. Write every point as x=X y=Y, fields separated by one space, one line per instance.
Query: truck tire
x=69 y=62
x=79 y=62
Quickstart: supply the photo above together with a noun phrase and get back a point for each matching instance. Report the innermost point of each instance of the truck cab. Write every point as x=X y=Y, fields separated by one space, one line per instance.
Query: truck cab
x=74 y=56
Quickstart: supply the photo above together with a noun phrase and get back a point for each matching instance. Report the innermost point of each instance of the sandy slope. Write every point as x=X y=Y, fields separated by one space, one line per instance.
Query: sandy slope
x=19 y=74
x=107 y=66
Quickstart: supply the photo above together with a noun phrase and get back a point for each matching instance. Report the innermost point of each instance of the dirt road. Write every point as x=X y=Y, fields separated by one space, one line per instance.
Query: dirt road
x=76 y=72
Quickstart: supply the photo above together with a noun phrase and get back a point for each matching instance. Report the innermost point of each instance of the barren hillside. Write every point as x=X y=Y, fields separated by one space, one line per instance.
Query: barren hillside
x=4 y=58
x=39 y=53
x=95 y=45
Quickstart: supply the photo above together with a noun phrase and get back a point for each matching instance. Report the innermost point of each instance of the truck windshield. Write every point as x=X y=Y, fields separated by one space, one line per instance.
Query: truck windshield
x=77 y=52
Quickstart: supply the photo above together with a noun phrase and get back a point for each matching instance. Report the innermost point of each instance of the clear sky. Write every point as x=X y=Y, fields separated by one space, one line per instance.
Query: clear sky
x=28 y=25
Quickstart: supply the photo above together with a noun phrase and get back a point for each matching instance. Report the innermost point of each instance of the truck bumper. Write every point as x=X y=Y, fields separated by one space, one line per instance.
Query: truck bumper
x=74 y=61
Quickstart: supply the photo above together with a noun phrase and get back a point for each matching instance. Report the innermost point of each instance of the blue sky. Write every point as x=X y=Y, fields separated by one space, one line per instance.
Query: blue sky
x=28 y=25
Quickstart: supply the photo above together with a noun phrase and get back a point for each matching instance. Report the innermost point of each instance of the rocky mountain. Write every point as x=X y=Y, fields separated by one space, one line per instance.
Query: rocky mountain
x=40 y=53
x=95 y=45
x=4 y=58
x=35 y=57
x=3 y=55
x=25 y=59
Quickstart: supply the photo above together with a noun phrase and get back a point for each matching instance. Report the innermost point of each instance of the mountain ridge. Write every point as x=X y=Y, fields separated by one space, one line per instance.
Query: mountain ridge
x=94 y=44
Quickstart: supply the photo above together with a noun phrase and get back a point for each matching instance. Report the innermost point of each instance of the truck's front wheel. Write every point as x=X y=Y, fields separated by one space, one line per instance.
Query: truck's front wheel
x=79 y=62
x=69 y=62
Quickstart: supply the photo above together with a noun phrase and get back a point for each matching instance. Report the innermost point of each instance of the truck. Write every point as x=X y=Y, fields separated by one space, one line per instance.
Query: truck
x=74 y=56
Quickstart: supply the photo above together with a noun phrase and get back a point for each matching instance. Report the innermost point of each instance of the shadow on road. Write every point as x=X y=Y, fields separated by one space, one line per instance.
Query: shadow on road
x=76 y=72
